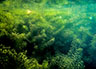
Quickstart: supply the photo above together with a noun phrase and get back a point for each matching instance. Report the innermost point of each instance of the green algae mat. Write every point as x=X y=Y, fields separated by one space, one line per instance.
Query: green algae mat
x=47 y=34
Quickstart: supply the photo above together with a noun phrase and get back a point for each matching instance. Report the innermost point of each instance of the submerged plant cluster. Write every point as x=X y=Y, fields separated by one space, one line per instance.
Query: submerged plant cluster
x=47 y=34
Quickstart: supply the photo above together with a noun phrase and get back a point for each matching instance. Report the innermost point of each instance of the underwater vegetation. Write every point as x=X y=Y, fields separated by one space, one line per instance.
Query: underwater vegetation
x=47 y=34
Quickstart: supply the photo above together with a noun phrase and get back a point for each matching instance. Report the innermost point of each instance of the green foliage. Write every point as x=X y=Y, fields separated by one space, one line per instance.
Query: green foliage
x=36 y=37
x=9 y=58
x=65 y=62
